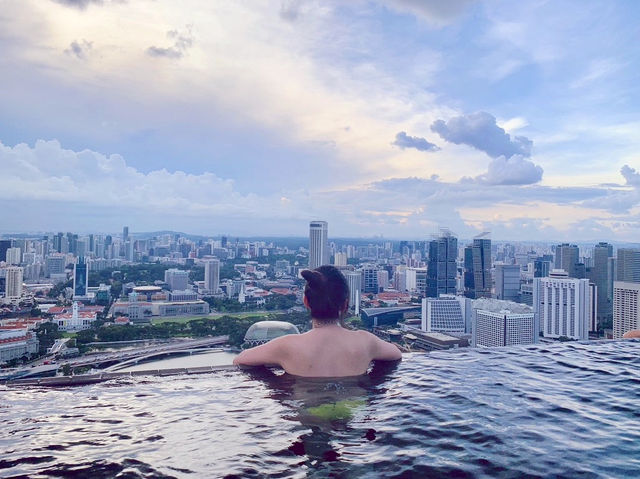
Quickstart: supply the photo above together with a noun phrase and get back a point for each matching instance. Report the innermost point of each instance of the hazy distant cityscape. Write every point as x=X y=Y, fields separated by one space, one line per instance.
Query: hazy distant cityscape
x=434 y=294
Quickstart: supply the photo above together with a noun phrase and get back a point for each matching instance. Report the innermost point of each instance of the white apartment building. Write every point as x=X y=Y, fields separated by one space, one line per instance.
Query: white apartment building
x=318 y=244
x=14 y=278
x=626 y=307
x=340 y=259
x=503 y=323
x=14 y=255
x=354 y=280
x=562 y=305
x=446 y=314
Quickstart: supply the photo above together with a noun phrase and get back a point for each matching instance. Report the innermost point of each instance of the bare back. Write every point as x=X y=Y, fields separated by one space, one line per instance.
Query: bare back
x=328 y=351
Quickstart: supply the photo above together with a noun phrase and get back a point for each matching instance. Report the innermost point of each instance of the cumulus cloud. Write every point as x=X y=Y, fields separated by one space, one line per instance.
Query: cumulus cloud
x=182 y=41
x=515 y=170
x=48 y=172
x=631 y=176
x=480 y=130
x=405 y=141
x=79 y=49
x=433 y=11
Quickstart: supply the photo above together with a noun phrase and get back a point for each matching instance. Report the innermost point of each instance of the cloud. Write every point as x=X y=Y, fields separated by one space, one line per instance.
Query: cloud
x=433 y=11
x=480 y=131
x=289 y=10
x=405 y=141
x=631 y=176
x=515 y=170
x=83 y=4
x=79 y=49
x=182 y=42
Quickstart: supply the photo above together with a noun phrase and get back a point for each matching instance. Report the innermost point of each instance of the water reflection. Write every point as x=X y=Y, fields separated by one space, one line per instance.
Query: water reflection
x=199 y=359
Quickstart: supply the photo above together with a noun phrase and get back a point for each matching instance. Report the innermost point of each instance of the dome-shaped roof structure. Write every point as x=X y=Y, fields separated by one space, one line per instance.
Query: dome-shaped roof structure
x=264 y=331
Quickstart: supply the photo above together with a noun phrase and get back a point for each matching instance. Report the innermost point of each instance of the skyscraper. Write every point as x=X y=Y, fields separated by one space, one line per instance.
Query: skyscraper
x=477 y=260
x=628 y=265
x=354 y=280
x=600 y=277
x=14 y=256
x=318 y=244
x=80 y=277
x=508 y=282
x=626 y=307
x=563 y=305
x=568 y=258
x=125 y=233
x=212 y=275
x=482 y=266
x=442 y=269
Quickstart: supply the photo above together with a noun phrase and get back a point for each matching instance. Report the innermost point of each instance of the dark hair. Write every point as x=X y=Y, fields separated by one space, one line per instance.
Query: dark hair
x=327 y=292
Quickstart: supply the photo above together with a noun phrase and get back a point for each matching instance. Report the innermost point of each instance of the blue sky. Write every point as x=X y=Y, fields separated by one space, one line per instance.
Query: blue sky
x=389 y=117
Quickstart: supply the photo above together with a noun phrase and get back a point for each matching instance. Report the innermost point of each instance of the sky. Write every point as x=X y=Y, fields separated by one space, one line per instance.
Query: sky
x=388 y=118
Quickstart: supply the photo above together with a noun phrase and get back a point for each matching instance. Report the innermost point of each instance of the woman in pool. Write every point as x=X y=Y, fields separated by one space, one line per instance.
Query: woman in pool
x=328 y=349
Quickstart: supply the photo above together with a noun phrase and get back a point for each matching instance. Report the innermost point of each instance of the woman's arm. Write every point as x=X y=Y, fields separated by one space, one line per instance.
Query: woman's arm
x=382 y=350
x=271 y=353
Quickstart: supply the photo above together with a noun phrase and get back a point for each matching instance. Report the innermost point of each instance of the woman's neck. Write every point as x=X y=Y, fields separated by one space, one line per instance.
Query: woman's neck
x=316 y=324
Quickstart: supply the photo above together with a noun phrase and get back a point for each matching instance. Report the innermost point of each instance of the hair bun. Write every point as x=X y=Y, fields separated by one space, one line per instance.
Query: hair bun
x=314 y=278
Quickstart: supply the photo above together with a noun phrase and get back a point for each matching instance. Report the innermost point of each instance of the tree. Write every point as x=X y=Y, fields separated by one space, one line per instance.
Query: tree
x=47 y=333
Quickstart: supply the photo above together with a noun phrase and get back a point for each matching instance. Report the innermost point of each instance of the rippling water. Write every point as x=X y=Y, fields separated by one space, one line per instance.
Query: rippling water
x=569 y=410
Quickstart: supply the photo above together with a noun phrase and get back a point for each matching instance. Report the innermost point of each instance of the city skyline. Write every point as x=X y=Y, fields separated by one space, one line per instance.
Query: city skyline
x=387 y=117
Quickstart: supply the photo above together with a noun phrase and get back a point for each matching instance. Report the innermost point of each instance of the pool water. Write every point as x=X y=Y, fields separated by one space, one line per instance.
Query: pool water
x=566 y=410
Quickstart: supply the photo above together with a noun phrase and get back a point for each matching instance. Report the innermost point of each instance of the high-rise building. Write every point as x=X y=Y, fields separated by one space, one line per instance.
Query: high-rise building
x=568 y=259
x=318 y=244
x=508 y=282
x=80 y=277
x=340 y=259
x=477 y=262
x=125 y=233
x=628 y=265
x=14 y=256
x=383 y=278
x=13 y=290
x=354 y=280
x=55 y=264
x=600 y=277
x=445 y=314
x=129 y=251
x=482 y=266
x=503 y=323
x=177 y=279
x=442 y=268
x=562 y=305
x=541 y=268
x=212 y=275
x=370 y=280
x=626 y=307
